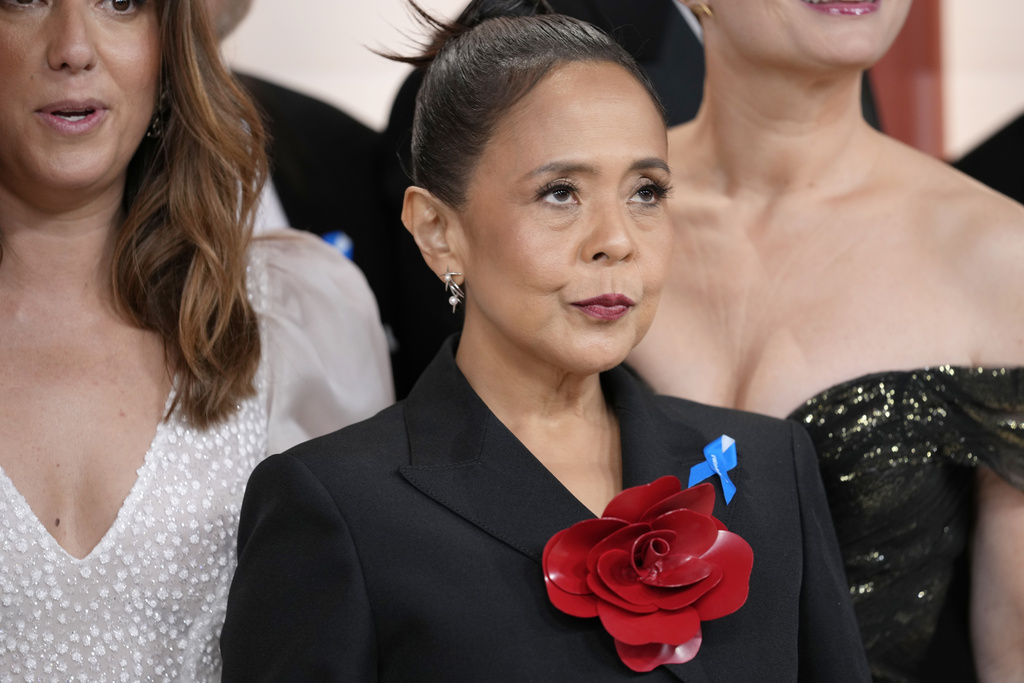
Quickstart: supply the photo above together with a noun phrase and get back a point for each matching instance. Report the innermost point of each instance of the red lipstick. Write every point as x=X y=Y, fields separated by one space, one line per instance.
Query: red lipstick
x=606 y=306
x=839 y=8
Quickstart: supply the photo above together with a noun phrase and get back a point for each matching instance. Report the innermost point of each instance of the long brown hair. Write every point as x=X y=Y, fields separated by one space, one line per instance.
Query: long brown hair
x=179 y=265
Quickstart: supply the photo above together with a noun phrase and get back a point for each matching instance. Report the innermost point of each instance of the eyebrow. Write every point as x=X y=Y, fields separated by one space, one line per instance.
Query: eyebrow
x=570 y=167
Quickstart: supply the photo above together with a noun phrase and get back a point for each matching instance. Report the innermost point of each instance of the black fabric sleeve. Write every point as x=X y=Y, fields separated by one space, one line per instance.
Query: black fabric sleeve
x=830 y=643
x=297 y=609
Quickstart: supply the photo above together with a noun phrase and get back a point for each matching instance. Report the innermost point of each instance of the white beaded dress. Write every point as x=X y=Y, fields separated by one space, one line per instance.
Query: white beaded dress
x=147 y=603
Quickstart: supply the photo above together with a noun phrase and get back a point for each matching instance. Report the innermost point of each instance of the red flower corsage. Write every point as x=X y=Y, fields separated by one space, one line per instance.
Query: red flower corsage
x=652 y=567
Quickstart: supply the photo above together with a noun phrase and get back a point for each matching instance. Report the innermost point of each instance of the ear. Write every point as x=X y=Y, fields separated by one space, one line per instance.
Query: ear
x=436 y=228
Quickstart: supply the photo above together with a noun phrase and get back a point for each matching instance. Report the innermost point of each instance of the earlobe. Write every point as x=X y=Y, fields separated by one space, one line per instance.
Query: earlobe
x=431 y=222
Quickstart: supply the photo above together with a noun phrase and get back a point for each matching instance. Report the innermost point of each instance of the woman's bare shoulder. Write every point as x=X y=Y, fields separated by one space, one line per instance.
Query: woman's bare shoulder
x=992 y=273
x=986 y=228
x=955 y=209
x=984 y=249
x=977 y=237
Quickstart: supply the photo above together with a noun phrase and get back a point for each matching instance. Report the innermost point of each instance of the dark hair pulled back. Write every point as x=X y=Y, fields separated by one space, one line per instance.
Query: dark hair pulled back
x=478 y=67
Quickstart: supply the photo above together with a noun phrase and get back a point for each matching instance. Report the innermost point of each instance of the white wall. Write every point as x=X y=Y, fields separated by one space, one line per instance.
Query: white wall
x=321 y=47
x=983 y=49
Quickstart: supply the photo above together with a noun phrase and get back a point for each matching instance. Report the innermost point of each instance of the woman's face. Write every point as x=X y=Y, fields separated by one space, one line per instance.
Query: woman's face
x=803 y=34
x=78 y=88
x=565 y=236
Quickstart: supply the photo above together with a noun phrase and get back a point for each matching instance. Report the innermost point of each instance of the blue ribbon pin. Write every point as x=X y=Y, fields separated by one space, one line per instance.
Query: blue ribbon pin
x=721 y=457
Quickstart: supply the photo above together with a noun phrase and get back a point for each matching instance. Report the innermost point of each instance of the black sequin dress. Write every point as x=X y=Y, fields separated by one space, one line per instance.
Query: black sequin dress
x=897 y=452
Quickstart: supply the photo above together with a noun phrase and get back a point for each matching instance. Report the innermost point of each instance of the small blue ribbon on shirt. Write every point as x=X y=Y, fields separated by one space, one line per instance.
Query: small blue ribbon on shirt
x=720 y=455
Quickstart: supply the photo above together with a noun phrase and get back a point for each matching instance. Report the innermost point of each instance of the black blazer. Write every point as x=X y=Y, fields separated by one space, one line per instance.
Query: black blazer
x=408 y=548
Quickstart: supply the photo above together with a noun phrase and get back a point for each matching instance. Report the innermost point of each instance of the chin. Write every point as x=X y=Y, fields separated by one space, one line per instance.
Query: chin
x=76 y=172
x=857 y=46
x=598 y=356
x=859 y=55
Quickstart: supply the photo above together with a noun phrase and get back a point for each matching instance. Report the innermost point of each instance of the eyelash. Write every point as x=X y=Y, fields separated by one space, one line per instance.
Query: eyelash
x=560 y=185
x=563 y=185
x=135 y=4
x=660 y=191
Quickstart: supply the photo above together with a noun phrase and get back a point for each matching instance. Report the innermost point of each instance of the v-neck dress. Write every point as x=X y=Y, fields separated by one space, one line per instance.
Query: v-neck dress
x=148 y=602
x=897 y=452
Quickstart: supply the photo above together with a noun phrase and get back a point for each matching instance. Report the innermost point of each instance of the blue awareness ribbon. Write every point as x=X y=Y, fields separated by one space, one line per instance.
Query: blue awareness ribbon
x=720 y=456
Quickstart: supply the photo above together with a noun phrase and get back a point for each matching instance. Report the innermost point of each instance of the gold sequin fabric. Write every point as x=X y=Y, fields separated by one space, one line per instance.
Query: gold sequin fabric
x=897 y=453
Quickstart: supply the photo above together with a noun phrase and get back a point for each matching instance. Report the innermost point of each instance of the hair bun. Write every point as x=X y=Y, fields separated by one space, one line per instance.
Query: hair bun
x=478 y=11
x=481 y=10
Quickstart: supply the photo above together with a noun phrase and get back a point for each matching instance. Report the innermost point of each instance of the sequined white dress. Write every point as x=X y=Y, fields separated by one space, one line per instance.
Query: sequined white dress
x=147 y=604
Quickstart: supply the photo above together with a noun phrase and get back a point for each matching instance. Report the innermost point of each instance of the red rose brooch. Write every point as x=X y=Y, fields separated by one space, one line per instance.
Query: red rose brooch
x=652 y=568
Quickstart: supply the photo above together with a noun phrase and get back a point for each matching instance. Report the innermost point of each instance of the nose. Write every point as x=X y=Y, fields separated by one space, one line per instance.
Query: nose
x=70 y=44
x=611 y=237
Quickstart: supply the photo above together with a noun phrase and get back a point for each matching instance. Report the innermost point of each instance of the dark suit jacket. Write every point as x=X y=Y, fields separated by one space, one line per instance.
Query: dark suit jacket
x=408 y=548
x=326 y=166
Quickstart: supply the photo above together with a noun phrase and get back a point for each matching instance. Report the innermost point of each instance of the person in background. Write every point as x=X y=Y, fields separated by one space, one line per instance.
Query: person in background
x=154 y=353
x=324 y=164
x=449 y=538
x=828 y=273
x=999 y=161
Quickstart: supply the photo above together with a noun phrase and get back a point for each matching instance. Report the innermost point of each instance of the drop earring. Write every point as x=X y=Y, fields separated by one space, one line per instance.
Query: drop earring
x=452 y=287
x=156 y=124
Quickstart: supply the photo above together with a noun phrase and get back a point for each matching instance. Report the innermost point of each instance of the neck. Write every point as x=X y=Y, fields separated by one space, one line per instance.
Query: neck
x=525 y=394
x=62 y=256
x=767 y=131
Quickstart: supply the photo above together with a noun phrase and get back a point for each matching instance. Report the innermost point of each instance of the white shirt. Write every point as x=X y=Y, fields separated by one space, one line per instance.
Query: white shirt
x=270 y=213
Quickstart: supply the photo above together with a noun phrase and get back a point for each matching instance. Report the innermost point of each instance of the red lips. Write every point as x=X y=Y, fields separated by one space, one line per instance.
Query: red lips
x=844 y=7
x=606 y=306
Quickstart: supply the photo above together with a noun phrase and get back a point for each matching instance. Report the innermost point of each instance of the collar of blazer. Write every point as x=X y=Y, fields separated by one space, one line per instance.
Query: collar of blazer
x=463 y=457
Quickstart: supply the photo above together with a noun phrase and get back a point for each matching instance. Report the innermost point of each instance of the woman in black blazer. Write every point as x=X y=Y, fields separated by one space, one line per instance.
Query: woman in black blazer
x=429 y=543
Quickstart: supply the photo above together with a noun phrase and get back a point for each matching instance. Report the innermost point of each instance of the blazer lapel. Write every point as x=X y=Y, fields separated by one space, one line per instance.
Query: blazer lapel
x=463 y=457
x=655 y=443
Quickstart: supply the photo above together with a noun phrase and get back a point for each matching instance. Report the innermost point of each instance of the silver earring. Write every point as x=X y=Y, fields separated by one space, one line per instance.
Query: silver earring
x=452 y=287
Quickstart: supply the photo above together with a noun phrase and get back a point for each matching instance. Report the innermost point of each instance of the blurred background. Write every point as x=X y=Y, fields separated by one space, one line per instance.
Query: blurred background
x=322 y=48
x=955 y=76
